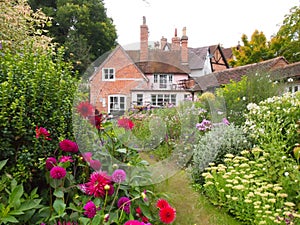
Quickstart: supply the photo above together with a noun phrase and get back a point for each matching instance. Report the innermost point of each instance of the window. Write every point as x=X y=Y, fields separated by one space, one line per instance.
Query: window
x=139 y=98
x=165 y=99
x=116 y=104
x=294 y=88
x=164 y=80
x=108 y=74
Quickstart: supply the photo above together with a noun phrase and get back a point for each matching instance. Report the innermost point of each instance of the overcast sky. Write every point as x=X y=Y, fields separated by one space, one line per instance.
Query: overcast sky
x=207 y=22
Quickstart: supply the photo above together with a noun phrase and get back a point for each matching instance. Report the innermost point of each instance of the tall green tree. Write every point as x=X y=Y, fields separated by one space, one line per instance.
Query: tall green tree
x=81 y=26
x=285 y=43
x=287 y=40
x=255 y=50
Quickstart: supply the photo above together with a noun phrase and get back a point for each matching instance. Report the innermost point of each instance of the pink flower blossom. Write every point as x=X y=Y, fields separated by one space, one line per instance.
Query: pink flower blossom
x=90 y=209
x=41 y=131
x=126 y=123
x=225 y=121
x=95 y=164
x=58 y=172
x=50 y=163
x=64 y=159
x=68 y=146
x=118 y=176
x=96 y=185
x=87 y=156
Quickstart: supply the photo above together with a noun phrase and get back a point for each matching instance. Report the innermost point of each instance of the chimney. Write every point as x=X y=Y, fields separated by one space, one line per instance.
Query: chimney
x=184 y=47
x=144 y=41
x=163 y=42
x=175 y=41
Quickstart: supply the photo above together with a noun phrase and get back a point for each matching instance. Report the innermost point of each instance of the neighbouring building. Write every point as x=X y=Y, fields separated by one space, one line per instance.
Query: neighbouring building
x=151 y=76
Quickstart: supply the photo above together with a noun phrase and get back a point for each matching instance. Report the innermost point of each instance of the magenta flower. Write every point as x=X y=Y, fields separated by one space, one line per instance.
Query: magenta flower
x=58 y=172
x=124 y=204
x=87 y=156
x=118 y=176
x=97 y=185
x=136 y=222
x=204 y=125
x=68 y=146
x=95 y=164
x=50 y=163
x=64 y=159
x=126 y=123
x=90 y=209
x=41 y=131
x=225 y=121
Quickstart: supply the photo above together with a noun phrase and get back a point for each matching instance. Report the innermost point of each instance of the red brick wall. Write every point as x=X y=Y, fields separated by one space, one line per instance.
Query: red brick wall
x=127 y=77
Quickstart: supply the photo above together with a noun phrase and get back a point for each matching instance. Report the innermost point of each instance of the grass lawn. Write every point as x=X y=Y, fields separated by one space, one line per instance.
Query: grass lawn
x=192 y=208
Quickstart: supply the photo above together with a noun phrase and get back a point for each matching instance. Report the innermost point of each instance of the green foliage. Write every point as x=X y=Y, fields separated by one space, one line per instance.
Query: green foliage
x=286 y=41
x=257 y=187
x=16 y=206
x=82 y=27
x=252 y=51
x=20 y=25
x=254 y=87
x=36 y=89
x=273 y=123
x=213 y=145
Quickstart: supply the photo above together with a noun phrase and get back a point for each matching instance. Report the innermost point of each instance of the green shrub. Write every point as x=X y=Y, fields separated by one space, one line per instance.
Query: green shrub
x=36 y=89
x=252 y=88
x=272 y=123
x=213 y=145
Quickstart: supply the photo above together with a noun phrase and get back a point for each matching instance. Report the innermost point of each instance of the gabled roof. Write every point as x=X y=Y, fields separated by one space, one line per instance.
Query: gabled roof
x=218 y=78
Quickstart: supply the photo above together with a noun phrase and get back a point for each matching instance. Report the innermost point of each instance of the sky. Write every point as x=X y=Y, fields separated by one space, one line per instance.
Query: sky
x=207 y=22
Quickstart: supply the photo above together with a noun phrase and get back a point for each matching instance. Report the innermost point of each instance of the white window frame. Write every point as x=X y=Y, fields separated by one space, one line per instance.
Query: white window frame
x=107 y=73
x=165 y=99
x=118 y=105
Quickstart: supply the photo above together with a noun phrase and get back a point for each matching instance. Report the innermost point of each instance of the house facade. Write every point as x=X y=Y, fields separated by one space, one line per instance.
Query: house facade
x=151 y=76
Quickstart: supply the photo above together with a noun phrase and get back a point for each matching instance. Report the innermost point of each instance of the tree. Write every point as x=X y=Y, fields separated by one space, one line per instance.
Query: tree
x=255 y=50
x=287 y=40
x=81 y=26
x=285 y=43
x=19 y=24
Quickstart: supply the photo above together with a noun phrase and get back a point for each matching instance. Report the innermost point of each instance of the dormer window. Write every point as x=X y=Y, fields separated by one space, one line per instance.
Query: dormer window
x=108 y=74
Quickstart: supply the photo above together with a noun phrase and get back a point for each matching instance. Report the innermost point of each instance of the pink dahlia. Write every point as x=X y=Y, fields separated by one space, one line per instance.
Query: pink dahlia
x=50 y=163
x=167 y=215
x=90 y=209
x=133 y=222
x=64 y=159
x=97 y=185
x=68 y=146
x=124 y=204
x=95 y=164
x=126 y=123
x=85 y=109
x=58 y=172
x=41 y=131
x=118 y=176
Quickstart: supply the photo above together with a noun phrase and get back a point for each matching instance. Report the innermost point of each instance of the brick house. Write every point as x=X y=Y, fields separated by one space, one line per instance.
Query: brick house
x=151 y=76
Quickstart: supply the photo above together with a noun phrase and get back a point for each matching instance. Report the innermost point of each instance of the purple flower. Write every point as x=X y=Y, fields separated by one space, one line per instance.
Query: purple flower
x=50 y=163
x=90 y=209
x=204 y=125
x=124 y=204
x=118 y=176
x=225 y=121
x=58 y=172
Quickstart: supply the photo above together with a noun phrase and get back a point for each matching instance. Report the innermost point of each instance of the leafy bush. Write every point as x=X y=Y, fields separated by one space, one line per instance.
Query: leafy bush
x=273 y=123
x=252 y=88
x=246 y=187
x=213 y=145
x=35 y=88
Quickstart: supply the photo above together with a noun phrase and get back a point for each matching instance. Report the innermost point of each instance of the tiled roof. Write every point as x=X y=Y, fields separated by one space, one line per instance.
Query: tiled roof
x=287 y=71
x=218 y=78
x=197 y=57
